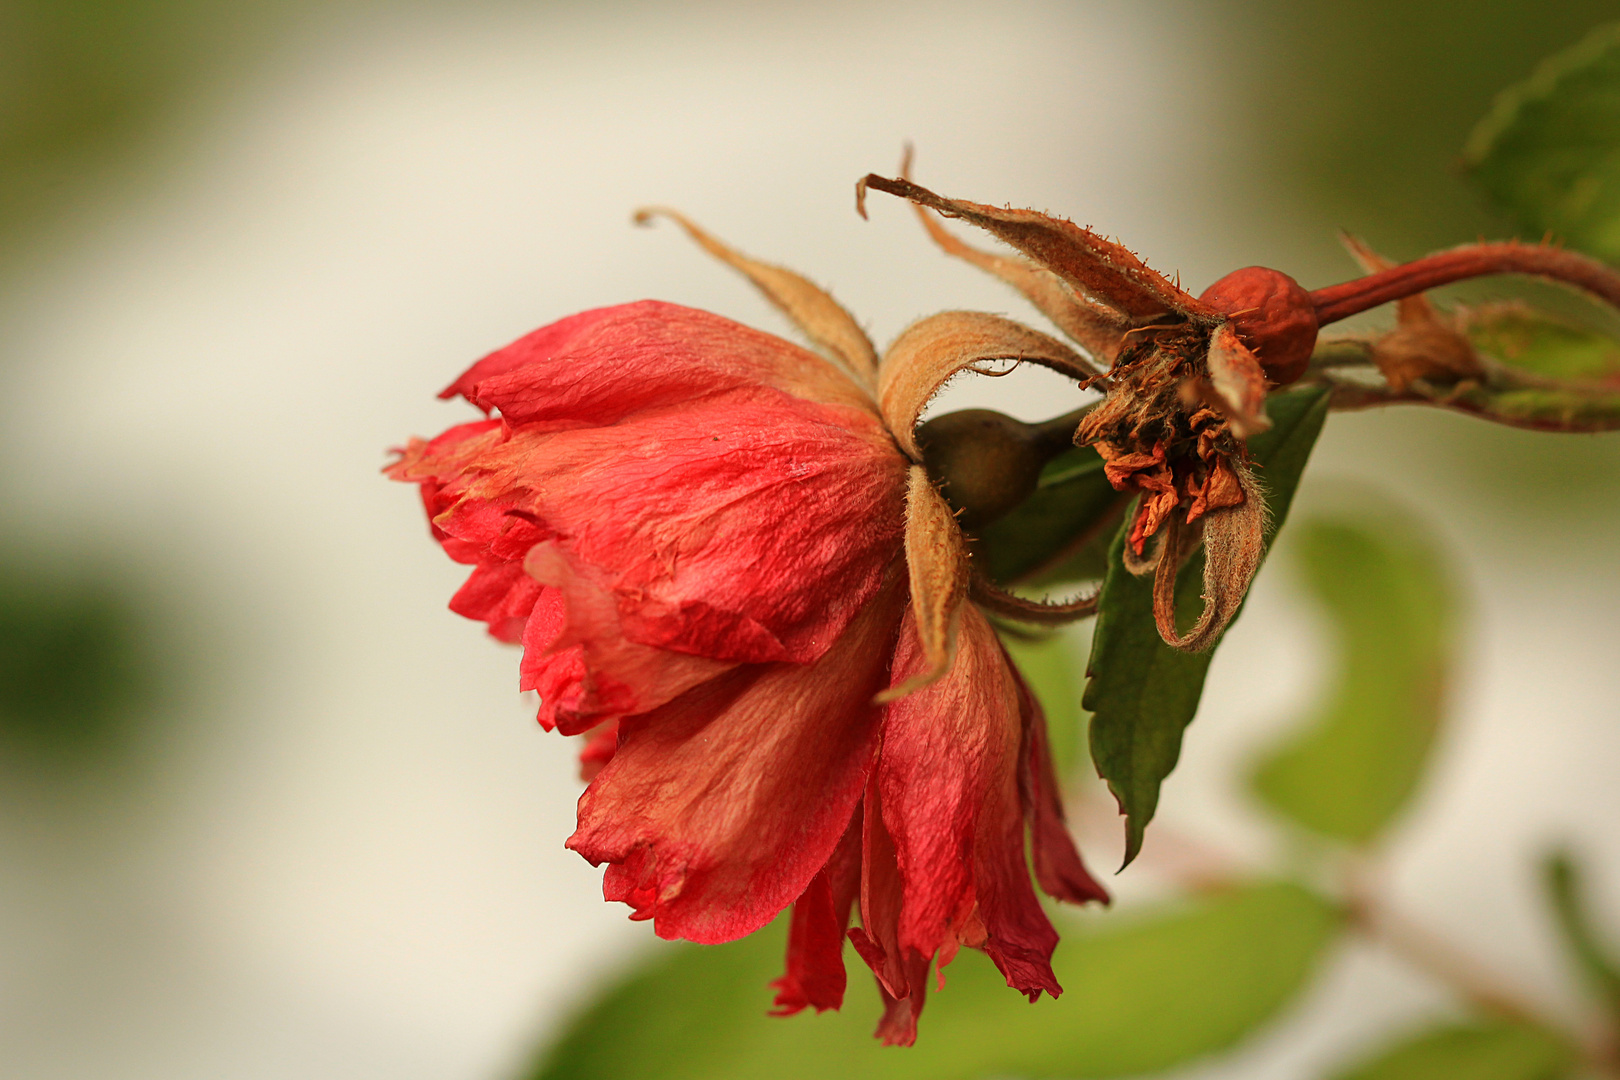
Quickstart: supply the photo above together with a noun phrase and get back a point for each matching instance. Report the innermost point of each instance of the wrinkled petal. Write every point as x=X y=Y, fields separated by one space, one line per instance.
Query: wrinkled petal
x=1061 y=872
x=719 y=808
x=811 y=308
x=746 y=526
x=578 y=657
x=601 y=366
x=814 y=974
x=902 y=974
x=949 y=779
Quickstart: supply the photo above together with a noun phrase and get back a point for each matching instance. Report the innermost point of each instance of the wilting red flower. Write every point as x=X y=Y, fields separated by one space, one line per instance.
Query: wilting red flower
x=727 y=566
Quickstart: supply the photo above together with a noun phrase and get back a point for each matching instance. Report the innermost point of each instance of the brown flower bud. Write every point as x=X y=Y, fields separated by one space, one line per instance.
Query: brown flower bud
x=1272 y=314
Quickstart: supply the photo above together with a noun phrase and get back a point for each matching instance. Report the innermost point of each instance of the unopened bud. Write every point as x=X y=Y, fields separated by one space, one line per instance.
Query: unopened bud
x=986 y=463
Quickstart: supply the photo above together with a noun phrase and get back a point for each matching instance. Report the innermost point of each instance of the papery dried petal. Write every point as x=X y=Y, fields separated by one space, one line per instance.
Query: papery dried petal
x=1058 y=866
x=601 y=366
x=719 y=808
x=1239 y=383
x=1234 y=543
x=950 y=782
x=814 y=974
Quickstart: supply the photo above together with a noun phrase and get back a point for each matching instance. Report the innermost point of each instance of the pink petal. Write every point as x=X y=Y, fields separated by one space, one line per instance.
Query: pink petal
x=719 y=807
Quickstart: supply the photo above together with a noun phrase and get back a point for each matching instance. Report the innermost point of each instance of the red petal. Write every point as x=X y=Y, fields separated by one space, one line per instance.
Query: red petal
x=577 y=654
x=815 y=953
x=949 y=777
x=598 y=750
x=718 y=808
x=500 y=594
x=1058 y=866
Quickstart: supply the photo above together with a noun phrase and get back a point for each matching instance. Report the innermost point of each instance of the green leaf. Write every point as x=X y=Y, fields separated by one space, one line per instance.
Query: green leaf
x=1142 y=693
x=1060 y=532
x=1544 y=344
x=1549 y=151
x=1499 y=1051
x=1143 y=993
x=1597 y=964
x=1051 y=666
x=1353 y=767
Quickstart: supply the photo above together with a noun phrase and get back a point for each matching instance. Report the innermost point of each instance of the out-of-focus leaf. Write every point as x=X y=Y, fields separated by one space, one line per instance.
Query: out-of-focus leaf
x=1530 y=340
x=1060 y=532
x=1142 y=693
x=1597 y=964
x=1142 y=993
x=1498 y=1051
x=1051 y=666
x=1549 y=151
x=72 y=667
x=1349 y=772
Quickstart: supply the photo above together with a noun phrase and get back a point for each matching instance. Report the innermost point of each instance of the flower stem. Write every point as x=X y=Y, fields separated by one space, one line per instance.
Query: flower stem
x=1469 y=261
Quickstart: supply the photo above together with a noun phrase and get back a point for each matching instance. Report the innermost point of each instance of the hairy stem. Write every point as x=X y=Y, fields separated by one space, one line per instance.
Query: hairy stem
x=1469 y=261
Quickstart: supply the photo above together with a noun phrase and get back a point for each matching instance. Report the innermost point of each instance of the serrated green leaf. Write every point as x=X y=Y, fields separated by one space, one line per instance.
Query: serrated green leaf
x=1142 y=693
x=1597 y=964
x=1549 y=151
x=1542 y=343
x=1051 y=667
x=1499 y=1051
x=1384 y=589
x=1143 y=993
x=1059 y=532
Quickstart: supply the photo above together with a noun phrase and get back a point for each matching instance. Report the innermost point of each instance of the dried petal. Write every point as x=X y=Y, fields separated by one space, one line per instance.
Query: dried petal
x=719 y=808
x=930 y=351
x=1239 y=383
x=1100 y=268
x=1234 y=542
x=810 y=307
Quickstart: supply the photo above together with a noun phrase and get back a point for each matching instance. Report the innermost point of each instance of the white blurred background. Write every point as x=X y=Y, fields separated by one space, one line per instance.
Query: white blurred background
x=341 y=855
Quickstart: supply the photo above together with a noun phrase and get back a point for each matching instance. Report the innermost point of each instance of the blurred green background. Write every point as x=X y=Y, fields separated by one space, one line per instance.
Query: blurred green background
x=243 y=833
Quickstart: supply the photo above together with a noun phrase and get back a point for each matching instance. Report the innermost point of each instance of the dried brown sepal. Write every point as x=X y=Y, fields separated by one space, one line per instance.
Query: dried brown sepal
x=1238 y=381
x=1100 y=268
x=936 y=560
x=1407 y=308
x=930 y=351
x=811 y=308
x=993 y=598
x=1234 y=542
x=1429 y=350
x=1095 y=328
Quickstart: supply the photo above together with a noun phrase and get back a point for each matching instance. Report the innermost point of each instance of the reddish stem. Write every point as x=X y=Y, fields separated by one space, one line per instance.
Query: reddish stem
x=1472 y=260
